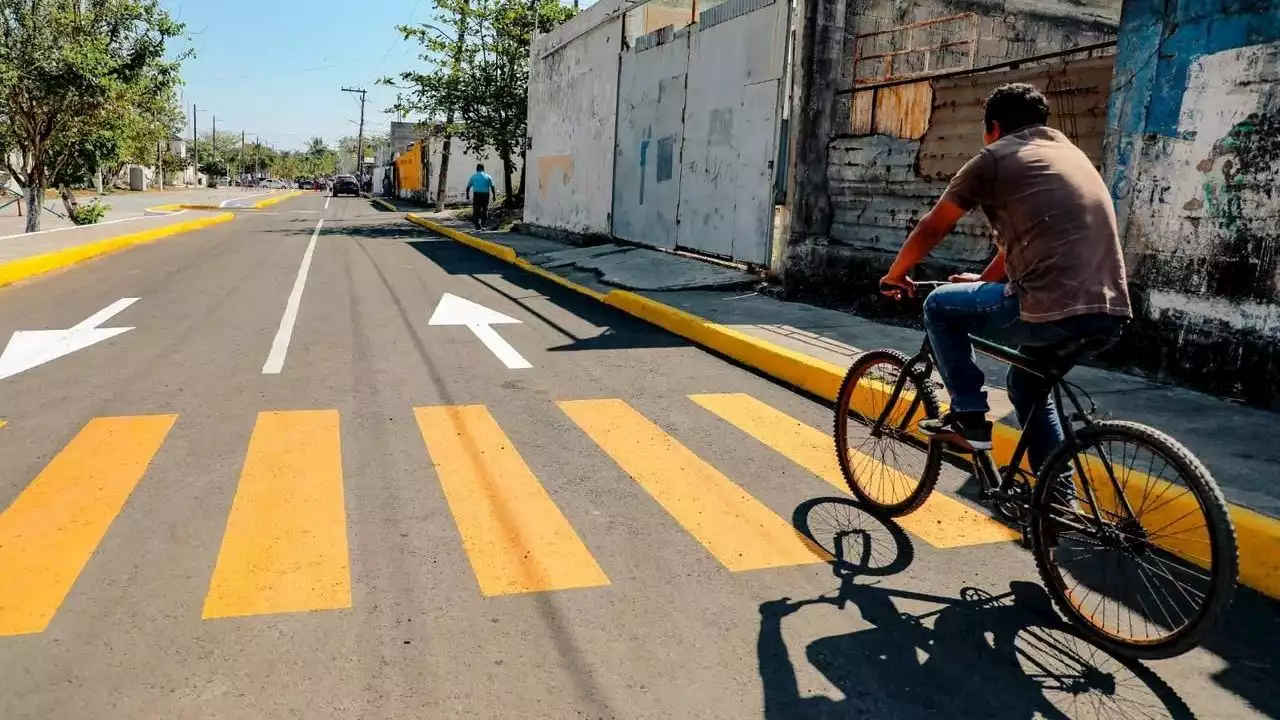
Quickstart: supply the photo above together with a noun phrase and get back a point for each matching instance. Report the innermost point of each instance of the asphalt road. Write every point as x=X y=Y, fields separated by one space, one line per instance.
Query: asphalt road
x=394 y=522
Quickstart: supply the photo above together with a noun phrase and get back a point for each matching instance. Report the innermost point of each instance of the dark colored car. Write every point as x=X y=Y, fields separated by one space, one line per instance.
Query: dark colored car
x=346 y=185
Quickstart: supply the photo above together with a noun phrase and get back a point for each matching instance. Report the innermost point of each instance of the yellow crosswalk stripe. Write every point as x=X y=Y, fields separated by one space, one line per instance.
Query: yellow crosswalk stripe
x=54 y=526
x=515 y=537
x=285 y=545
x=732 y=525
x=942 y=521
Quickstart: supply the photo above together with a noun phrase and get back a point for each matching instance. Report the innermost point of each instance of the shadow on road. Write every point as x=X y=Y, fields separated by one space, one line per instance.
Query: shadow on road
x=620 y=331
x=979 y=655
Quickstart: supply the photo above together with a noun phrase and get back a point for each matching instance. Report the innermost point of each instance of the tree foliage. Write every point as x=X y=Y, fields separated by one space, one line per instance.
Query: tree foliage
x=79 y=84
x=476 y=83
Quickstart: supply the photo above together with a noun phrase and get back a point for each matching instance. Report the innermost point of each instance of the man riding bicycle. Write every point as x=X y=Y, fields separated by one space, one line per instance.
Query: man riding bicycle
x=1058 y=275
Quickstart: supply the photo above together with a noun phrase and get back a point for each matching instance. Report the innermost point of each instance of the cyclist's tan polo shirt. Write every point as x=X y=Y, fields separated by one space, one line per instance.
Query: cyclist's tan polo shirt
x=1053 y=217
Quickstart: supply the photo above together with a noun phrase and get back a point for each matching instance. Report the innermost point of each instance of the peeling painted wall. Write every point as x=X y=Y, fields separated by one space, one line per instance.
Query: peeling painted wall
x=573 y=99
x=731 y=130
x=1194 y=164
x=646 y=185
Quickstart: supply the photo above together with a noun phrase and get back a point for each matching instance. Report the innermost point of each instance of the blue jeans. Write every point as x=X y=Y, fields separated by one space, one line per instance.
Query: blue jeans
x=954 y=312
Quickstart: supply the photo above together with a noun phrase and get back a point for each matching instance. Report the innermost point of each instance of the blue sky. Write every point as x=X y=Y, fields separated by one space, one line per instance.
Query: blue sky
x=275 y=68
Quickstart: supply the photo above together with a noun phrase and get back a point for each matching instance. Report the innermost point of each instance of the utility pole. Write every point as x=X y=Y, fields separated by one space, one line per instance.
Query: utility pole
x=360 y=137
x=240 y=170
x=195 y=144
x=213 y=147
x=257 y=157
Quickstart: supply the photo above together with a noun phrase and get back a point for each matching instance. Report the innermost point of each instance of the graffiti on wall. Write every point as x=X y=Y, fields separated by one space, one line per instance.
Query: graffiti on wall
x=1202 y=215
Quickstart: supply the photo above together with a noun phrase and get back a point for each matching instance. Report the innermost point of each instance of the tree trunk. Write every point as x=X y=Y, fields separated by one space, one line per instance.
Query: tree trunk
x=35 y=204
x=524 y=174
x=509 y=200
x=69 y=202
x=444 y=170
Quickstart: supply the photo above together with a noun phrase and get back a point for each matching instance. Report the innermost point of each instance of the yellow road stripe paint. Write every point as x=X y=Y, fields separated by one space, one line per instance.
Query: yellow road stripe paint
x=515 y=537
x=942 y=521
x=732 y=525
x=285 y=546
x=54 y=526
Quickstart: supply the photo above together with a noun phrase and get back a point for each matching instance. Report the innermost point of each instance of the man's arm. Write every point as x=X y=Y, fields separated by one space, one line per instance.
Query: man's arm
x=930 y=231
x=994 y=272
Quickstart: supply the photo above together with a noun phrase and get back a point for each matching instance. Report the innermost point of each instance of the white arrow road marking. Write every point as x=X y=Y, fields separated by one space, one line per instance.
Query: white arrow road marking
x=29 y=348
x=454 y=310
x=280 y=346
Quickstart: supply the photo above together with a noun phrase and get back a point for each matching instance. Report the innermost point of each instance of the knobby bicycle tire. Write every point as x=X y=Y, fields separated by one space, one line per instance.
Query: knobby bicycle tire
x=1221 y=532
x=933 y=454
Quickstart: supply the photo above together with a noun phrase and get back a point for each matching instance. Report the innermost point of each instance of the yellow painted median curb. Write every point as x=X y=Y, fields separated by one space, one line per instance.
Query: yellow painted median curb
x=275 y=199
x=383 y=203
x=30 y=267
x=1257 y=535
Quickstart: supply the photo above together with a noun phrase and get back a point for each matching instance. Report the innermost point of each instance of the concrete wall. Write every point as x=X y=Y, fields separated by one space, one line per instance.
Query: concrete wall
x=731 y=129
x=646 y=185
x=1194 y=164
x=462 y=165
x=573 y=99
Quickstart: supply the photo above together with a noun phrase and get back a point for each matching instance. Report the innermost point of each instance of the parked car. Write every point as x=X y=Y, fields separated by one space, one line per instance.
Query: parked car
x=346 y=185
x=303 y=183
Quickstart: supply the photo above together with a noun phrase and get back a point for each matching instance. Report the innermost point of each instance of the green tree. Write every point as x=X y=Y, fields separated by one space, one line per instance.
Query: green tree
x=69 y=71
x=477 y=82
x=221 y=158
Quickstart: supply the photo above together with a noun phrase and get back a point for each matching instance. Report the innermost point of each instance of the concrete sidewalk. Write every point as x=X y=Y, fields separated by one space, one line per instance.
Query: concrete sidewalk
x=1236 y=442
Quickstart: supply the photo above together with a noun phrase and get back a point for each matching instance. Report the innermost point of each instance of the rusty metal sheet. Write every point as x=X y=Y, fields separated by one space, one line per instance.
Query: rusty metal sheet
x=1077 y=89
x=903 y=111
x=860 y=111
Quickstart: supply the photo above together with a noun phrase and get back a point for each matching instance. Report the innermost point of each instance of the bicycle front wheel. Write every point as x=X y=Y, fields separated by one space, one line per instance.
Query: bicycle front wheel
x=884 y=459
x=1133 y=541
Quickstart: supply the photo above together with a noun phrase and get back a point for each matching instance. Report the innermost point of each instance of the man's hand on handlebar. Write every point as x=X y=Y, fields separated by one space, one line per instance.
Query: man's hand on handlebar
x=897 y=287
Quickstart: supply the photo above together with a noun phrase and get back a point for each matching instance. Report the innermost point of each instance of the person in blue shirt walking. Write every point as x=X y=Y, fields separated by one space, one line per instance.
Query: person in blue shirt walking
x=479 y=189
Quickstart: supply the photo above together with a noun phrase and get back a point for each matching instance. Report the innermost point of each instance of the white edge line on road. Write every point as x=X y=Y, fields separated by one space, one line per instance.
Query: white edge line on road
x=244 y=197
x=326 y=202
x=73 y=227
x=280 y=346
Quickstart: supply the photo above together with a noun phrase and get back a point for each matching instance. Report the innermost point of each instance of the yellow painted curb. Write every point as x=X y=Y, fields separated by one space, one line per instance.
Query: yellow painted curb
x=30 y=267
x=275 y=199
x=502 y=252
x=383 y=203
x=1257 y=535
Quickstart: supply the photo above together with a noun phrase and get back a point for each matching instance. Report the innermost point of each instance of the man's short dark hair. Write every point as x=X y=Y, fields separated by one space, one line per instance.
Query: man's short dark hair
x=480 y=167
x=1016 y=106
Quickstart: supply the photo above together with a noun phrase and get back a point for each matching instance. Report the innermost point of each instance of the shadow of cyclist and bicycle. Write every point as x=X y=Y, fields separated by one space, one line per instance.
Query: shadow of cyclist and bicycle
x=982 y=654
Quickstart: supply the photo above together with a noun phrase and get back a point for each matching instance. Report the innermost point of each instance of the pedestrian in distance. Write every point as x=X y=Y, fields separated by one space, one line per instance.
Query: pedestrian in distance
x=479 y=190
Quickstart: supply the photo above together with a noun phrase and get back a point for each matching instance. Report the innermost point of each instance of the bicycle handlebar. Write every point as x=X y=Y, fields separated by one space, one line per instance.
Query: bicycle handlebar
x=897 y=293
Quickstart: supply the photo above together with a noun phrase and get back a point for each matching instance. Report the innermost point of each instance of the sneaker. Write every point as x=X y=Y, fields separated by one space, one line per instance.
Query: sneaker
x=967 y=430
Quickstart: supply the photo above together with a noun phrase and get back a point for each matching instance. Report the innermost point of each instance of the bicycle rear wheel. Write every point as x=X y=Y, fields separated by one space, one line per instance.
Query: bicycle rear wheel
x=1133 y=540
x=891 y=468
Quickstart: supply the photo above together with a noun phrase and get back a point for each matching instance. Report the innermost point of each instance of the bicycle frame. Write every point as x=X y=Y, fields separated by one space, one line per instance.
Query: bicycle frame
x=999 y=485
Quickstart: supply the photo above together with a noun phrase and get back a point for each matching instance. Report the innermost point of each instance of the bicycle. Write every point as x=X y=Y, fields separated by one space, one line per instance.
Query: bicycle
x=1088 y=504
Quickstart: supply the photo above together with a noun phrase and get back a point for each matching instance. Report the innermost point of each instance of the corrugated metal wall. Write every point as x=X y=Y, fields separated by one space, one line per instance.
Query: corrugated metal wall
x=908 y=140
x=1077 y=91
x=409 y=168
